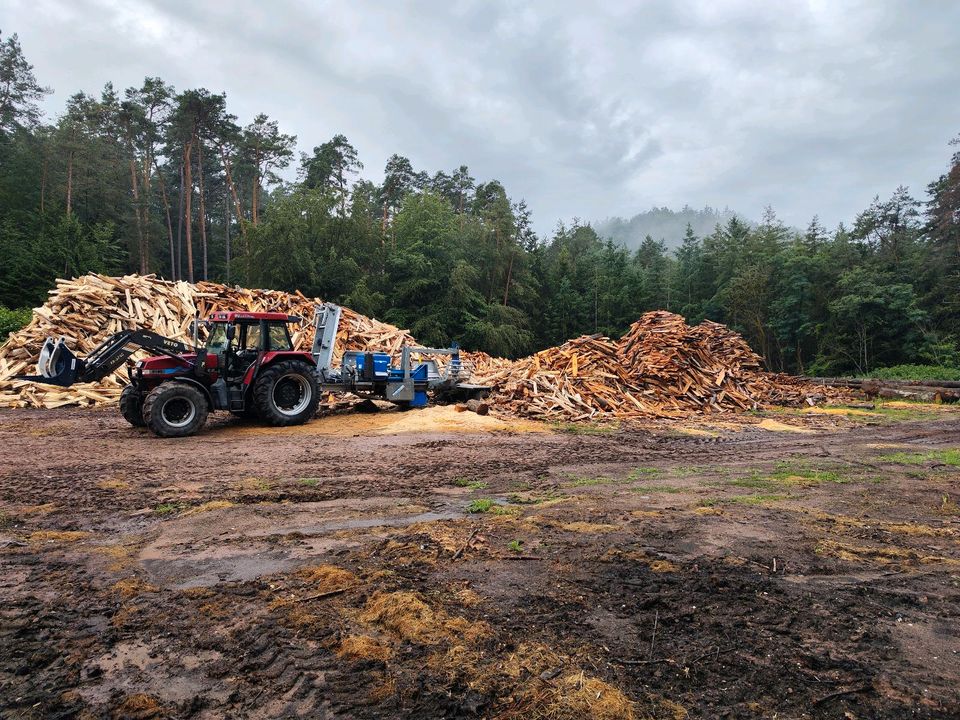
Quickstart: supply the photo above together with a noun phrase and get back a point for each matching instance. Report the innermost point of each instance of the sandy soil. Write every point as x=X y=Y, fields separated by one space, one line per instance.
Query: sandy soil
x=425 y=565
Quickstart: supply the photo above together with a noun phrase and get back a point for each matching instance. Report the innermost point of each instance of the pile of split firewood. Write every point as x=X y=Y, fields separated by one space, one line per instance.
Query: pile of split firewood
x=662 y=367
x=87 y=310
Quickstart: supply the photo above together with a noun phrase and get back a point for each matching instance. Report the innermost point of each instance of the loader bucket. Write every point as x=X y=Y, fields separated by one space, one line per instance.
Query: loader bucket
x=57 y=365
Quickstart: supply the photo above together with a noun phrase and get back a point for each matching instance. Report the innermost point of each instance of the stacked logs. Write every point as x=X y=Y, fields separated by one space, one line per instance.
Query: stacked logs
x=661 y=367
x=87 y=310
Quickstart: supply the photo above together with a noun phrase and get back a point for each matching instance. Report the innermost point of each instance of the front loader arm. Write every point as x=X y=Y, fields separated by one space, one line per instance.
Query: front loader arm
x=59 y=366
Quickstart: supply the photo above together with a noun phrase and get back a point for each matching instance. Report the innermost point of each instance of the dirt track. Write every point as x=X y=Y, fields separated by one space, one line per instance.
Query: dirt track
x=335 y=570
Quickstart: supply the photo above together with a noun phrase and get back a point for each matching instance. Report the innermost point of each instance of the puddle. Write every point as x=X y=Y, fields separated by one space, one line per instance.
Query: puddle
x=250 y=541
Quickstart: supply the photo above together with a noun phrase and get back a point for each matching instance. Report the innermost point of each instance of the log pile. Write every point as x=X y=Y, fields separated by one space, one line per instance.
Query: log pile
x=87 y=310
x=661 y=367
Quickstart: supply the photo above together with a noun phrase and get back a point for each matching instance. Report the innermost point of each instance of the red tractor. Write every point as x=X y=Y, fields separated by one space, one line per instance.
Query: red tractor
x=248 y=367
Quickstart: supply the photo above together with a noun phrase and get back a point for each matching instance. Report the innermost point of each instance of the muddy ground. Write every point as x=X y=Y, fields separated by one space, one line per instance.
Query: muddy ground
x=775 y=565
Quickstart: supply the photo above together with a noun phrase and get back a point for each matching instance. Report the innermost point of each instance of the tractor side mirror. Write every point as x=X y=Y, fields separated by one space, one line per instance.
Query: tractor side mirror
x=231 y=332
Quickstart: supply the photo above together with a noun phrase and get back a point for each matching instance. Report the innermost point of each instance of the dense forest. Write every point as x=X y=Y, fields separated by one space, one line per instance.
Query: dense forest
x=152 y=179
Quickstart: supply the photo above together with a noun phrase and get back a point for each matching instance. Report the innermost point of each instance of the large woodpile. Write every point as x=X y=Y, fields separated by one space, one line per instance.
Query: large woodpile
x=87 y=310
x=662 y=367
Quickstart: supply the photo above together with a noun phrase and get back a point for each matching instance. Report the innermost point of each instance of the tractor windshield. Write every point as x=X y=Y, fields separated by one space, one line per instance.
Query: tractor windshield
x=217 y=341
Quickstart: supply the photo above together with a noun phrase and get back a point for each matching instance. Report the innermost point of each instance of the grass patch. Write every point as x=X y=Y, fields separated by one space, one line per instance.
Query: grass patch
x=309 y=482
x=586 y=428
x=471 y=484
x=480 y=505
x=515 y=546
x=944 y=457
x=756 y=499
x=587 y=481
x=168 y=508
x=789 y=473
x=753 y=499
x=643 y=472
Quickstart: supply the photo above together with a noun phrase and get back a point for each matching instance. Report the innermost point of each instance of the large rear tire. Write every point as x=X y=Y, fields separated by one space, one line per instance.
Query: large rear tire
x=175 y=409
x=131 y=406
x=286 y=393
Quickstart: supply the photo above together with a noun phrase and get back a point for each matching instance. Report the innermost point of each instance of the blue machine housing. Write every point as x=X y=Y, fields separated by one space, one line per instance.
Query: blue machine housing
x=418 y=375
x=381 y=363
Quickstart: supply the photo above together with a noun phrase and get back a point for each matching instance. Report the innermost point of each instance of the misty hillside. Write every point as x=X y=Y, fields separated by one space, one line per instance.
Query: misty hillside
x=662 y=224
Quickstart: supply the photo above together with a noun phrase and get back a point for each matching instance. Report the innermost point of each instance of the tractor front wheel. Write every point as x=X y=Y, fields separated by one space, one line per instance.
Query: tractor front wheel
x=131 y=406
x=286 y=393
x=175 y=409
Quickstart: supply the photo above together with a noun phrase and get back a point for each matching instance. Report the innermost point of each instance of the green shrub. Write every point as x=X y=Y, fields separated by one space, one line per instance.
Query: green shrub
x=12 y=320
x=916 y=372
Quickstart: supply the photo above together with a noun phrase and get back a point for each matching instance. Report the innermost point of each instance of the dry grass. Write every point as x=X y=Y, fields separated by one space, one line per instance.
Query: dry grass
x=844 y=523
x=849 y=552
x=364 y=647
x=138 y=706
x=44 y=509
x=328 y=577
x=131 y=587
x=407 y=617
x=948 y=506
x=663 y=566
x=208 y=506
x=579 y=697
x=448 y=534
x=708 y=510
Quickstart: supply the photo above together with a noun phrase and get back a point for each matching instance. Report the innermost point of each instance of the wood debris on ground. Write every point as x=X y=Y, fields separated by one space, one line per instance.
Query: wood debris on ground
x=662 y=367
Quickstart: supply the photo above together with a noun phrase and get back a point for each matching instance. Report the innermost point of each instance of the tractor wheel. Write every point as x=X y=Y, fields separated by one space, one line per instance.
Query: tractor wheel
x=131 y=406
x=286 y=393
x=175 y=409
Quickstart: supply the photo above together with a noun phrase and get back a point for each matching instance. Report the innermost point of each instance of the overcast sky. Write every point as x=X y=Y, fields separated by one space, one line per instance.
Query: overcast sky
x=811 y=107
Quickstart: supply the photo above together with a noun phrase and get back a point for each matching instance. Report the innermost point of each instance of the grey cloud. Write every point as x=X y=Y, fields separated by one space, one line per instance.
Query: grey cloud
x=583 y=109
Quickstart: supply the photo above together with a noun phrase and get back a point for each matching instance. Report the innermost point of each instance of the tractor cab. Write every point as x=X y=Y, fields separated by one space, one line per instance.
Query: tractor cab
x=236 y=341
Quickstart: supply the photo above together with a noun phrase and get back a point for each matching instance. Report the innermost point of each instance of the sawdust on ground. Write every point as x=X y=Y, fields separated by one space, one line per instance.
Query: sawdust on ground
x=776 y=426
x=436 y=418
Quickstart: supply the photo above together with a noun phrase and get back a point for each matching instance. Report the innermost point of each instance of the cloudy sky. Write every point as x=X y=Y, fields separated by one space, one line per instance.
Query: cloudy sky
x=811 y=107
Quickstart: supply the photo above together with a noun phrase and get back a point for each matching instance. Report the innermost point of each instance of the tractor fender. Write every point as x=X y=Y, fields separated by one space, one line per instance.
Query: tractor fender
x=273 y=356
x=200 y=386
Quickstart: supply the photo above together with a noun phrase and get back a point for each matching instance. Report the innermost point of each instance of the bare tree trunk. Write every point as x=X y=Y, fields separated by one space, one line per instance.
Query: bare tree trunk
x=69 y=183
x=255 y=200
x=179 y=270
x=233 y=188
x=226 y=225
x=166 y=207
x=142 y=250
x=187 y=203
x=203 y=207
x=506 y=288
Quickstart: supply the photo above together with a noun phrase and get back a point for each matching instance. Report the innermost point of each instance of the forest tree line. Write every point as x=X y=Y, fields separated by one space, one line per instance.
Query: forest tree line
x=152 y=179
